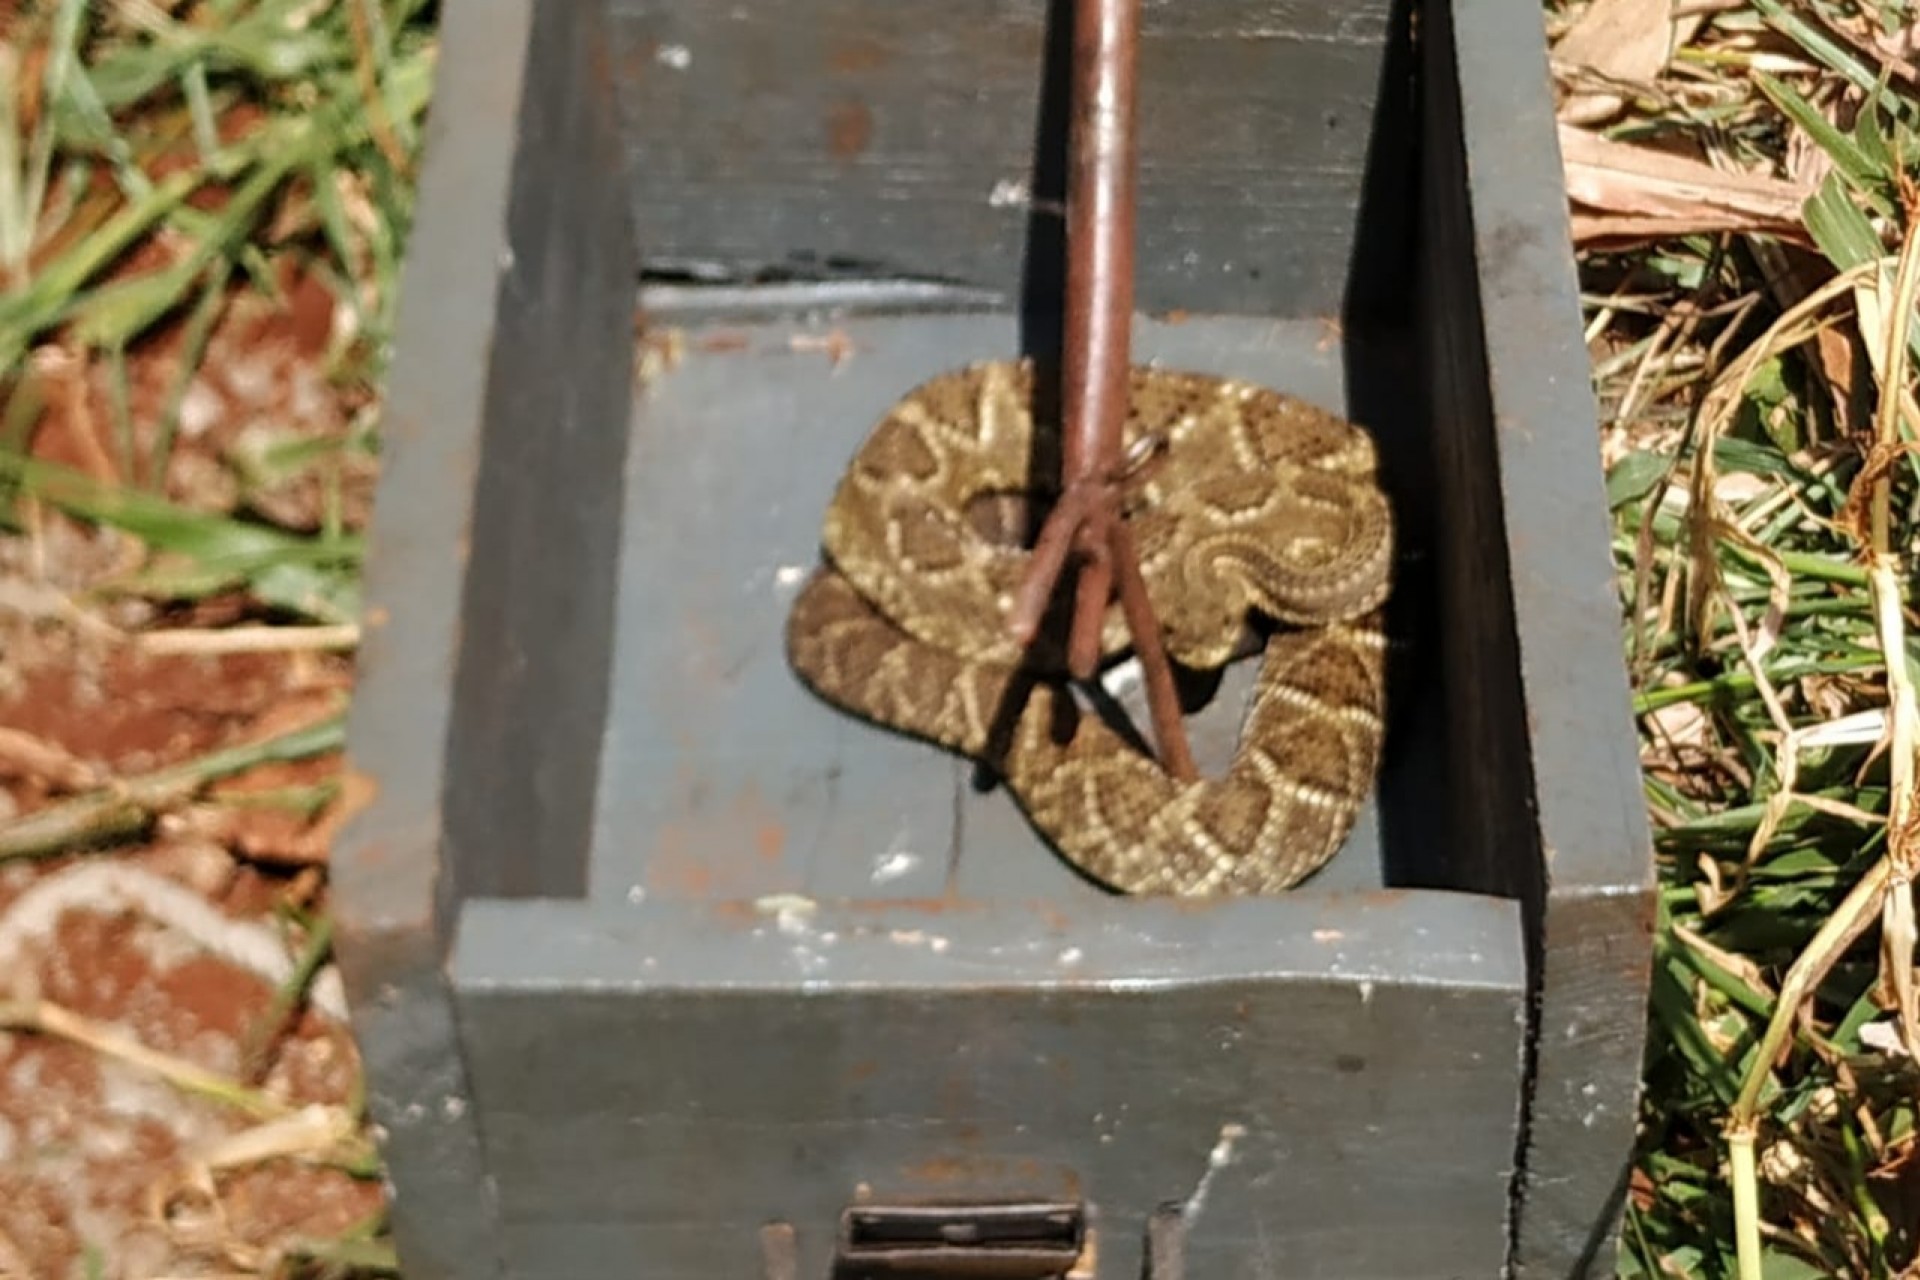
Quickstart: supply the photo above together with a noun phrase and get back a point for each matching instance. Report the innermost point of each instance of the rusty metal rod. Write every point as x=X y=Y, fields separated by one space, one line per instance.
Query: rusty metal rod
x=1100 y=234
x=1086 y=522
x=1163 y=700
x=1098 y=334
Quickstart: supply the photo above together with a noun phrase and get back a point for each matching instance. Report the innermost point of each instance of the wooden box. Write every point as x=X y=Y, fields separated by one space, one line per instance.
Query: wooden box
x=662 y=967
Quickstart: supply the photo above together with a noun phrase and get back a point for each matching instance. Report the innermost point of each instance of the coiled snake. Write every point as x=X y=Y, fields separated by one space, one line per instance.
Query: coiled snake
x=1254 y=505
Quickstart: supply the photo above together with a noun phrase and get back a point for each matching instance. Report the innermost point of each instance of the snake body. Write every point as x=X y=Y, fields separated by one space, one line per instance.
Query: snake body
x=1252 y=507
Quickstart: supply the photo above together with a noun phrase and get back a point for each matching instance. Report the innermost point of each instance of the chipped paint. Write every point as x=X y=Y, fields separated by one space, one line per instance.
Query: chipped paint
x=894 y=864
x=1219 y=1158
x=1010 y=193
x=792 y=913
x=919 y=938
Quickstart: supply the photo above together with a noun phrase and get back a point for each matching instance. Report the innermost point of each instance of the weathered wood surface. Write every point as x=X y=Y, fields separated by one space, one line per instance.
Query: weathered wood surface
x=477 y=720
x=724 y=777
x=1538 y=688
x=508 y=632
x=1329 y=1086
x=926 y=138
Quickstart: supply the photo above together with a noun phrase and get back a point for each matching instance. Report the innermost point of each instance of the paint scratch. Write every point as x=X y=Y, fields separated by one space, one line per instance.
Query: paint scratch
x=1219 y=1158
x=792 y=913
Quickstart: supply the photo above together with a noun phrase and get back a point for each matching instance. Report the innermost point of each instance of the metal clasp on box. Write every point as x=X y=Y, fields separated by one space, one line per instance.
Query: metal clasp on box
x=1023 y=1240
x=1029 y=1240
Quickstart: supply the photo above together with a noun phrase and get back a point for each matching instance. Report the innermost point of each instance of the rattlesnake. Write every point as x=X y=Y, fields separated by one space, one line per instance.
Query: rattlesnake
x=1251 y=503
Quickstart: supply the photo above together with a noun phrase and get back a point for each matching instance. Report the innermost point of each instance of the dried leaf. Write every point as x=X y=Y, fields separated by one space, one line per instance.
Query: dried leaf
x=1623 y=41
x=1902 y=45
x=1624 y=187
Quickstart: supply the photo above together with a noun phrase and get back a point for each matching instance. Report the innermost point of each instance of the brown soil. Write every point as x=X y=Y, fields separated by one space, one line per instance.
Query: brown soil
x=104 y=1165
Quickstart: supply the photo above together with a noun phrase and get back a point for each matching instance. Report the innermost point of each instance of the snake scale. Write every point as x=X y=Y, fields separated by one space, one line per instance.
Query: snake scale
x=1252 y=508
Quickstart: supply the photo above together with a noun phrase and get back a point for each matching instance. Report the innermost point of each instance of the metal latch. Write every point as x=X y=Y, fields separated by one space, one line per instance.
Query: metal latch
x=1037 y=1240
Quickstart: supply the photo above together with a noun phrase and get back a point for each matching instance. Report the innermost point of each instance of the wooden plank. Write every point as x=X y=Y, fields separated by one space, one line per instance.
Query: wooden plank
x=537 y=615
x=510 y=284
x=926 y=138
x=1533 y=632
x=655 y=1088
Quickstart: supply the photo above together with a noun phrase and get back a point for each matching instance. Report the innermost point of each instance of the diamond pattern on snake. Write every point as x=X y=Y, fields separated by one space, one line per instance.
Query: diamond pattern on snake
x=1254 y=509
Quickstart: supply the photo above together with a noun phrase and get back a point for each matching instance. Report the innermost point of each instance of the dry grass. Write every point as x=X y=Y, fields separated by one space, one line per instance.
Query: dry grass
x=1749 y=279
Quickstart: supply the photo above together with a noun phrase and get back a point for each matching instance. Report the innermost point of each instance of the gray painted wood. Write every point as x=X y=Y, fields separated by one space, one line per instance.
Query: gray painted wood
x=612 y=911
x=899 y=137
x=723 y=776
x=782 y=876
x=535 y=659
x=386 y=870
x=1589 y=886
x=1330 y=1085
x=511 y=350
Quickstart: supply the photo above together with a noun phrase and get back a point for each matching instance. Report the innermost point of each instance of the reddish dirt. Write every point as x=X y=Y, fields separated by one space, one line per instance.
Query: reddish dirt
x=263 y=389
x=103 y=1163
x=99 y=1155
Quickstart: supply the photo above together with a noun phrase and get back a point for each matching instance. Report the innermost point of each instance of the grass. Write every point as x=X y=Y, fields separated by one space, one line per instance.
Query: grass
x=1757 y=414
x=154 y=166
x=1759 y=409
x=161 y=164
